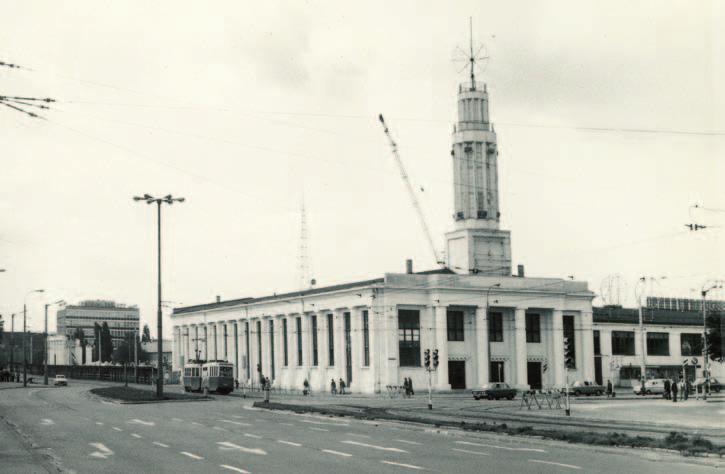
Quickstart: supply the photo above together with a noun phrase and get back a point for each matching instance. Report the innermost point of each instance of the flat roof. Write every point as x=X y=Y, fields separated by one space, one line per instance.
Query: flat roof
x=620 y=315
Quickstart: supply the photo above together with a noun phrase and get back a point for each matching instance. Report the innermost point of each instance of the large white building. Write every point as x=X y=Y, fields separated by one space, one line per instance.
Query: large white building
x=485 y=324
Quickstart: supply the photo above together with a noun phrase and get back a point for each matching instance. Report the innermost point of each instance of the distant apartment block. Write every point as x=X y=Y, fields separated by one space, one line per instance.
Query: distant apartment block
x=122 y=320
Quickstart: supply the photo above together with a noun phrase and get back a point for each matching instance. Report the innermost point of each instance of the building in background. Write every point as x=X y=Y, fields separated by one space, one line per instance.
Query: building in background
x=673 y=340
x=122 y=320
x=152 y=349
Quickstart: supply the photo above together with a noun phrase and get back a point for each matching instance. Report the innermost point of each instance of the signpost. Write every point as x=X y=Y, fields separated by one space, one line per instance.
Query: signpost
x=430 y=367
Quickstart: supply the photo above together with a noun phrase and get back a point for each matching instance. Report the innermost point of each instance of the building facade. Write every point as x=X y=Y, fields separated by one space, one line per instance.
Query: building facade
x=669 y=343
x=485 y=324
x=122 y=320
x=373 y=334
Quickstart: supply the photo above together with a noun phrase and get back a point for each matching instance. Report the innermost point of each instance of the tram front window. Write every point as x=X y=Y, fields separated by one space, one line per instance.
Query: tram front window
x=225 y=371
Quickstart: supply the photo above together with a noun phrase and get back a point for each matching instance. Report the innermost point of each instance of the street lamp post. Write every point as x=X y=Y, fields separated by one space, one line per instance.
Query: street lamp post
x=643 y=339
x=25 y=353
x=705 y=352
x=168 y=199
x=45 y=338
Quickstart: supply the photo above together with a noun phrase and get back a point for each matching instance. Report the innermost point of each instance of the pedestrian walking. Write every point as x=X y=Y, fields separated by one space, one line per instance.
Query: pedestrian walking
x=410 y=386
x=688 y=387
x=673 y=389
x=342 y=386
x=405 y=387
x=609 y=388
x=333 y=387
x=306 y=389
x=668 y=389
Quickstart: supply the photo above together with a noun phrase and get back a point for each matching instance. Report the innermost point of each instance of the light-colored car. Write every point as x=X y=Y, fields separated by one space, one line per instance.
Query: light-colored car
x=651 y=387
x=586 y=387
x=60 y=380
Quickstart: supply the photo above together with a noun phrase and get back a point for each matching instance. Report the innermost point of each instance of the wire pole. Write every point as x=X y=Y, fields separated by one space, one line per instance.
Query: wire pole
x=25 y=354
x=160 y=381
x=45 y=351
x=12 y=342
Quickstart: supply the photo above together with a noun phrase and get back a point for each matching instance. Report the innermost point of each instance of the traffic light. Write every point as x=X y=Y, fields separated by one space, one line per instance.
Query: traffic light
x=569 y=353
x=435 y=358
x=427 y=358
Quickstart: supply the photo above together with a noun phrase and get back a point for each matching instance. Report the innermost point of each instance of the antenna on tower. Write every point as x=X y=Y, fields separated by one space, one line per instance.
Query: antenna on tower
x=472 y=59
x=306 y=280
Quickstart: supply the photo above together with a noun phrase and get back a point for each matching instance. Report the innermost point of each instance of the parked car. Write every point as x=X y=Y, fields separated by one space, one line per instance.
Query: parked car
x=585 y=387
x=494 y=391
x=715 y=385
x=651 y=387
x=60 y=380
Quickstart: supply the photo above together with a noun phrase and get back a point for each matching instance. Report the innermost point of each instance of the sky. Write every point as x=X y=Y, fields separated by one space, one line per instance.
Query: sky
x=610 y=119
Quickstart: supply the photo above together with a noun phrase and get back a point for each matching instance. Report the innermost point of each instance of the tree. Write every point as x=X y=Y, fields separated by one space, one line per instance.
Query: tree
x=715 y=343
x=106 y=343
x=97 y=342
x=81 y=336
x=146 y=337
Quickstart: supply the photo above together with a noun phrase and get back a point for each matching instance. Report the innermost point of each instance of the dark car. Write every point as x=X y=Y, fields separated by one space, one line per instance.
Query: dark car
x=715 y=385
x=586 y=387
x=494 y=391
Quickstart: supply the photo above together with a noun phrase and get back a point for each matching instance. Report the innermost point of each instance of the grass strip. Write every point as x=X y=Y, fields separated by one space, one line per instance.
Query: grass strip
x=131 y=394
x=687 y=445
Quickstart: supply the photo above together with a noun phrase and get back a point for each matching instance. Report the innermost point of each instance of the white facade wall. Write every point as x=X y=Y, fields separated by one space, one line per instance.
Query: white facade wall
x=612 y=363
x=432 y=296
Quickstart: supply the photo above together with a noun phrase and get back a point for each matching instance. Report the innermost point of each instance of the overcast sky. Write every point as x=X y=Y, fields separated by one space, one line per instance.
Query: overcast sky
x=243 y=107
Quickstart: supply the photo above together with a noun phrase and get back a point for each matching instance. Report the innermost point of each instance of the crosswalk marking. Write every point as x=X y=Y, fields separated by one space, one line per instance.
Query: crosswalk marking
x=191 y=455
x=338 y=453
x=409 y=466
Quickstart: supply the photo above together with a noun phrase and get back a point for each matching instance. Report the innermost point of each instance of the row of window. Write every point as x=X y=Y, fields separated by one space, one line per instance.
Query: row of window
x=658 y=343
x=495 y=326
x=315 y=350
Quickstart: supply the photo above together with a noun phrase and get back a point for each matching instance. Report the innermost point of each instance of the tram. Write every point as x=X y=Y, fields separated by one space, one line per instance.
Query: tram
x=209 y=376
x=217 y=376
x=192 y=376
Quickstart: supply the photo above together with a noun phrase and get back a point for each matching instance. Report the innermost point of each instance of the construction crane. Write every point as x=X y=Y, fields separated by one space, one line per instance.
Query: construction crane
x=411 y=192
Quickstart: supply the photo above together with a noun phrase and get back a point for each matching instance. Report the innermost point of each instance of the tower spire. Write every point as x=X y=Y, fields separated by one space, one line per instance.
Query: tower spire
x=472 y=57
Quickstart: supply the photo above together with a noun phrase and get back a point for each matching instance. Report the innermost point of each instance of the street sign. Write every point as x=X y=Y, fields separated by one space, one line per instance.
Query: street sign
x=545 y=367
x=694 y=361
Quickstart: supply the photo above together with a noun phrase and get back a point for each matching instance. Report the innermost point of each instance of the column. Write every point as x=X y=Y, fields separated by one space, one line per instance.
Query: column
x=587 y=345
x=205 y=341
x=441 y=323
x=482 y=353
x=520 y=347
x=557 y=352
x=235 y=335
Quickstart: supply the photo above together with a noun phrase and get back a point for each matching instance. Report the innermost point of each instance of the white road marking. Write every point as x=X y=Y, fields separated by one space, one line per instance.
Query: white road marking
x=117 y=428
x=287 y=424
x=468 y=451
x=289 y=443
x=324 y=423
x=219 y=428
x=101 y=451
x=407 y=442
x=409 y=466
x=195 y=423
x=373 y=446
x=250 y=435
x=161 y=444
x=47 y=422
x=570 y=466
x=318 y=429
x=468 y=443
x=235 y=469
x=136 y=435
x=226 y=445
x=99 y=423
x=142 y=422
x=177 y=419
x=240 y=423
x=330 y=451
x=191 y=455
x=239 y=417
x=358 y=435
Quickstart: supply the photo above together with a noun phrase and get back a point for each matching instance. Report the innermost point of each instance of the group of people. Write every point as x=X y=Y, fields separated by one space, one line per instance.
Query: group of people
x=7 y=376
x=408 y=387
x=333 y=387
x=672 y=388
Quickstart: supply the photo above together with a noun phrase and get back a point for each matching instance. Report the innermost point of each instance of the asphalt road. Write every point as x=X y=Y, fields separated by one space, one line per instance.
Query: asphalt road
x=87 y=435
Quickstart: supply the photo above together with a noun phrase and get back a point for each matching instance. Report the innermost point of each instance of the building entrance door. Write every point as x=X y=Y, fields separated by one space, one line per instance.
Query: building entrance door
x=457 y=374
x=533 y=370
x=598 y=370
